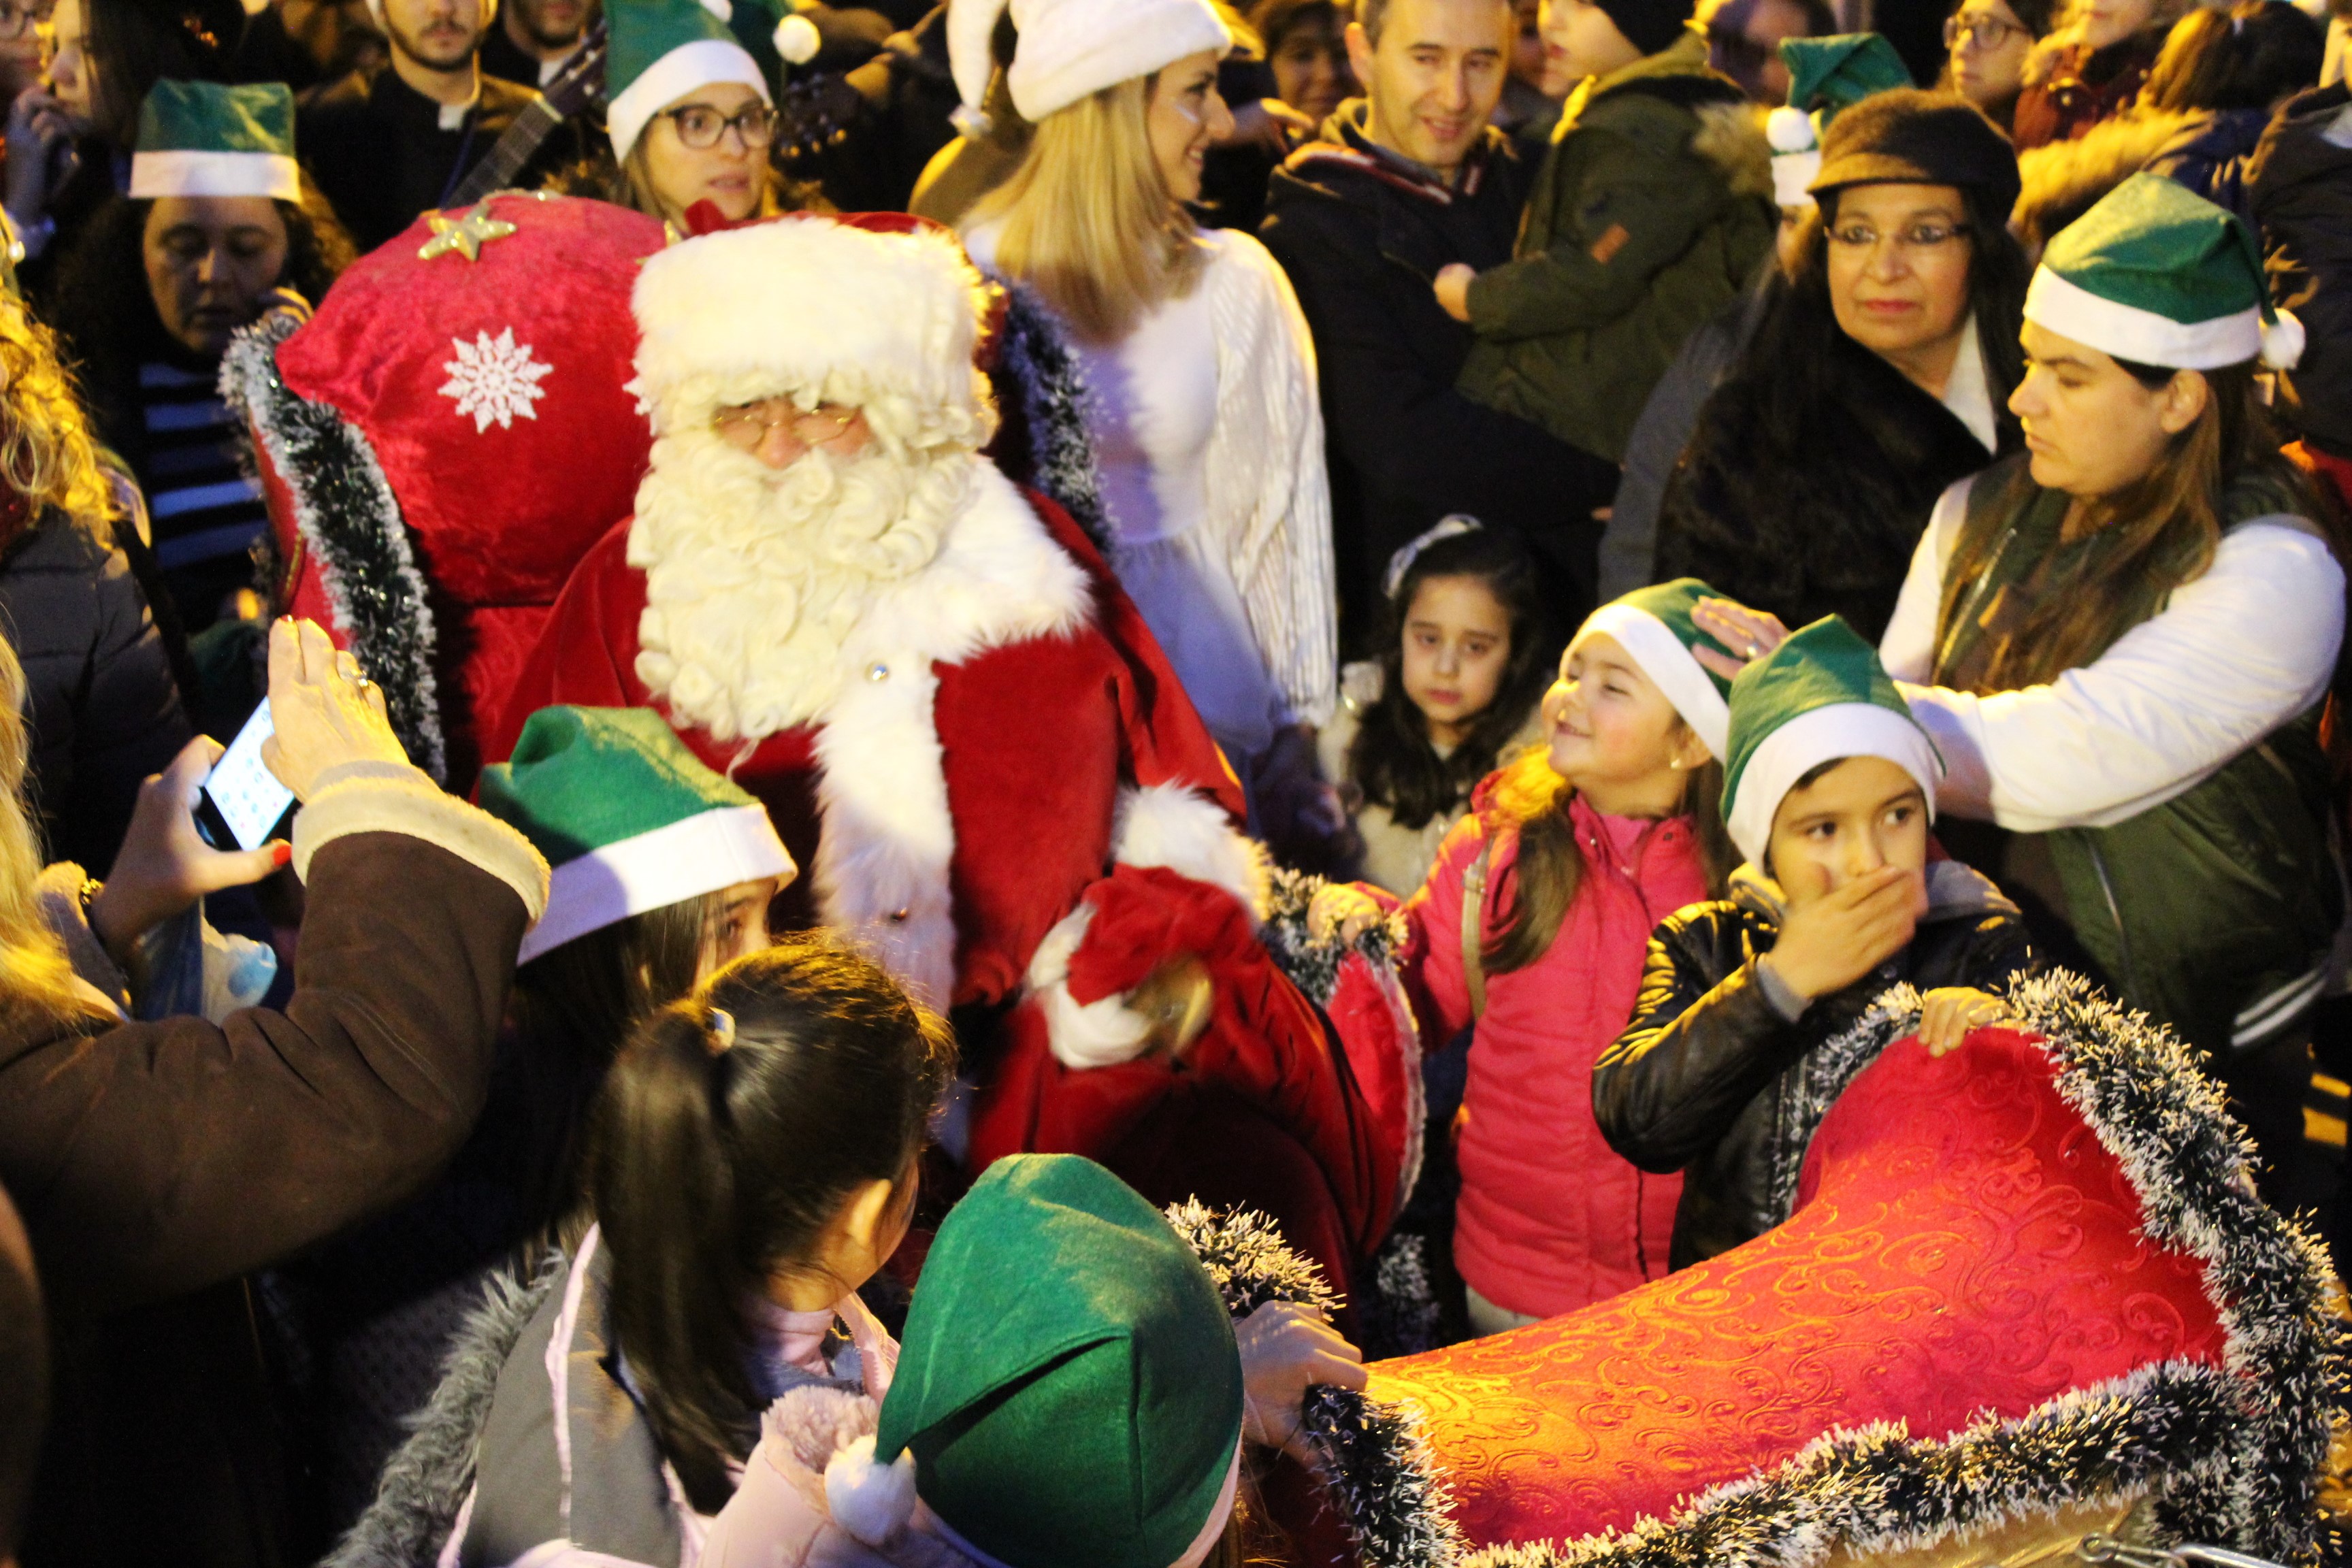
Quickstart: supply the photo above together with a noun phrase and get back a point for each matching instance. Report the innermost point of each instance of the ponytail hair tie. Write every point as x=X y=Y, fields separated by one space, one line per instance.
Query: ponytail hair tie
x=722 y=1030
x=1449 y=527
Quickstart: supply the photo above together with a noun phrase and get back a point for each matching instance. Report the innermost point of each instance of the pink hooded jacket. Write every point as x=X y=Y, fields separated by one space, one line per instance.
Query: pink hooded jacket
x=1551 y=1217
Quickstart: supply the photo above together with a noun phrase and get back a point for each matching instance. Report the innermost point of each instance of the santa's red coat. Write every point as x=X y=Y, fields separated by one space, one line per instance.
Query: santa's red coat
x=1051 y=717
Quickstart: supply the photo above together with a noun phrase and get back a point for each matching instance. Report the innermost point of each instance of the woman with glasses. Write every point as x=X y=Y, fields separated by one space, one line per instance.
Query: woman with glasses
x=1986 y=44
x=1876 y=379
x=691 y=117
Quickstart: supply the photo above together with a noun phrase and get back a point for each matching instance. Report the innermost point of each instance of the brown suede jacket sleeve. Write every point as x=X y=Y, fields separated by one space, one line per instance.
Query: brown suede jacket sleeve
x=153 y=1159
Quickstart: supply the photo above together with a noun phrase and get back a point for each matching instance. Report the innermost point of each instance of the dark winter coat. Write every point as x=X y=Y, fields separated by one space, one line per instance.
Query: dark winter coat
x=104 y=710
x=2210 y=154
x=1709 y=1078
x=1813 y=518
x=377 y=150
x=1361 y=234
x=154 y=1161
x=1651 y=210
x=2299 y=185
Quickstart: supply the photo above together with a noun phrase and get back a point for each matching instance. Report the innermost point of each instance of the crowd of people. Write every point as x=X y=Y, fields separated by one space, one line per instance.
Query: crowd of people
x=1383 y=613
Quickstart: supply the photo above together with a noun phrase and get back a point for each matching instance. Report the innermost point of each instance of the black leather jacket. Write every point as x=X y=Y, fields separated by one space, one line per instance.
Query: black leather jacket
x=1710 y=1080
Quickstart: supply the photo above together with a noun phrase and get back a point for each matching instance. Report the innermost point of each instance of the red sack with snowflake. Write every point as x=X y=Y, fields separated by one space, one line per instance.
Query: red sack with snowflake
x=445 y=440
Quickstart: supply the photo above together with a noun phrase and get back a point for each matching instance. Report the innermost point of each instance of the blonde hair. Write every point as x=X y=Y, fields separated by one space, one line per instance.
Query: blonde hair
x=36 y=977
x=1089 y=221
x=45 y=451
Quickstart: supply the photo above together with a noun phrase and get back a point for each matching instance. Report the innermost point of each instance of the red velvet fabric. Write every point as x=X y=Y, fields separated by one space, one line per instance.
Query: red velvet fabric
x=1963 y=1243
x=498 y=514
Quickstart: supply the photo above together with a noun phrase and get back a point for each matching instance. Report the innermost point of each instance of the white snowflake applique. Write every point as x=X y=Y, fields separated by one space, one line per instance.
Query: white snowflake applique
x=494 y=378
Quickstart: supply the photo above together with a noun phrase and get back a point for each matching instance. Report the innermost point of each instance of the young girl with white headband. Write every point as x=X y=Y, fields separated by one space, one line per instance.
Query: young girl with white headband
x=1534 y=922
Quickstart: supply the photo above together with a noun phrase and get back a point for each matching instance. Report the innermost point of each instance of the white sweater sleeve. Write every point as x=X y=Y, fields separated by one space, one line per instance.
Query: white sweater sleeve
x=1269 y=500
x=2233 y=656
x=1908 y=649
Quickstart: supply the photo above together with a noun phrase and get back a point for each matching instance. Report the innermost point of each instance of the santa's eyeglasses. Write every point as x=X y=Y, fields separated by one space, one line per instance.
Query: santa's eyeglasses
x=747 y=425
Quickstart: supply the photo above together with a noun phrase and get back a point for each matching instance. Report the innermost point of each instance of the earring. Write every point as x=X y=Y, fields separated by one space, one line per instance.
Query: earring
x=1675 y=763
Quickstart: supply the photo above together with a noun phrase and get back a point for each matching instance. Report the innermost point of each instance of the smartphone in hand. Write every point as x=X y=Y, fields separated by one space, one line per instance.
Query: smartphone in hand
x=242 y=805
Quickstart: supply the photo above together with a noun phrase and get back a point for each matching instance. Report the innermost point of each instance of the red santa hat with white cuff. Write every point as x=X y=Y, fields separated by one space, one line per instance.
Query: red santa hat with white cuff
x=1070 y=48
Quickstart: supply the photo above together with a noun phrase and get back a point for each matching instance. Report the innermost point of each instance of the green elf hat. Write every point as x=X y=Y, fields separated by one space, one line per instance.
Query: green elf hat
x=660 y=51
x=1068 y=1390
x=1653 y=625
x=775 y=36
x=1820 y=696
x=202 y=139
x=1825 y=75
x=628 y=817
x=2159 y=276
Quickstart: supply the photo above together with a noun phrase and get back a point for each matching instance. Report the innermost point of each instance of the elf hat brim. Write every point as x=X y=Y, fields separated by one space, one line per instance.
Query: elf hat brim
x=1652 y=644
x=1827 y=733
x=2144 y=337
x=1792 y=177
x=704 y=853
x=193 y=173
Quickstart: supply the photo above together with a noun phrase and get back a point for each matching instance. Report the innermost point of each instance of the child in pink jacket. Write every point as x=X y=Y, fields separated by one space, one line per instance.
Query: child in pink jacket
x=1566 y=861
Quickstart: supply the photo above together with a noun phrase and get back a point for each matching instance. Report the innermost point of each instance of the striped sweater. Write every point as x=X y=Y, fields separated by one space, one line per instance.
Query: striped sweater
x=207 y=509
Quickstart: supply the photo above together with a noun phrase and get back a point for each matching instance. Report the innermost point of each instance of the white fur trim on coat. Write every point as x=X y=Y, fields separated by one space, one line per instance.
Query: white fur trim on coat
x=1098 y=1033
x=1172 y=826
x=882 y=866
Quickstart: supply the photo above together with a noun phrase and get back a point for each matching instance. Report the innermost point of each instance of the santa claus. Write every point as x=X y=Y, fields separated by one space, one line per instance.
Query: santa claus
x=961 y=726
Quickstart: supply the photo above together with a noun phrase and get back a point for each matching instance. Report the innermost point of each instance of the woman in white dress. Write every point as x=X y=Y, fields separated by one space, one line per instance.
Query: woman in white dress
x=1200 y=375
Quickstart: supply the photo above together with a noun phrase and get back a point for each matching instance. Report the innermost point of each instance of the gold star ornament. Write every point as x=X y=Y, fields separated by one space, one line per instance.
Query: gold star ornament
x=467 y=235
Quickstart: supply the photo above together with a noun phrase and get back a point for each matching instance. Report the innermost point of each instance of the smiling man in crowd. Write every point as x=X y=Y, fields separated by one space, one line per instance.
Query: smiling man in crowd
x=1402 y=182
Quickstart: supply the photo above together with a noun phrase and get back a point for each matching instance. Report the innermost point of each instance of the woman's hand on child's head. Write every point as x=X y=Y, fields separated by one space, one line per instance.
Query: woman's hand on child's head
x=1452 y=287
x=164 y=865
x=325 y=712
x=1947 y=1015
x=1341 y=909
x=1287 y=1349
x=1830 y=940
x=1748 y=634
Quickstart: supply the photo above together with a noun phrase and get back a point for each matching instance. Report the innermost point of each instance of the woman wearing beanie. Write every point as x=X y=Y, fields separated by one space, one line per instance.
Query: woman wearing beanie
x=1203 y=410
x=1877 y=379
x=2124 y=636
x=1829 y=791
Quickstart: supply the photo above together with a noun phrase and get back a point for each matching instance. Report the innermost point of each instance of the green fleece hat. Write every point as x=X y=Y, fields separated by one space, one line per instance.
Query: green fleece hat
x=1825 y=75
x=1068 y=1386
x=202 y=139
x=628 y=817
x=1654 y=626
x=2159 y=276
x=660 y=51
x=1821 y=696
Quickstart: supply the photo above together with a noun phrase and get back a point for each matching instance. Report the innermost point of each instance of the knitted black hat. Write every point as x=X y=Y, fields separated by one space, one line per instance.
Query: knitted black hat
x=1648 y=25
x=1910 y=136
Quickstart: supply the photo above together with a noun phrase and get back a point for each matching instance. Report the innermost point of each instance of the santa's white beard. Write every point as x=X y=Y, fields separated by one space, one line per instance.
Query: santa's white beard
x=755 y=576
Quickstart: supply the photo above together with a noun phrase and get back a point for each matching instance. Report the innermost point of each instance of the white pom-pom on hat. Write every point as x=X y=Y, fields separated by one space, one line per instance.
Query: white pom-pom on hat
x=797 y=39
x=1788 y=130
x=2283 y=341
x=871 y=1502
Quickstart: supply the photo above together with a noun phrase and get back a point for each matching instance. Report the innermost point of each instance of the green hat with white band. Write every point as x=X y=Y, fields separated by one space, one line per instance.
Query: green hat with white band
x=1825 y=75
x=1654 y=626
x=660 y=51
x=1819 y=697
x=1068 y=1390
x=2159 y=276
x=203 y=139
x=628 y=817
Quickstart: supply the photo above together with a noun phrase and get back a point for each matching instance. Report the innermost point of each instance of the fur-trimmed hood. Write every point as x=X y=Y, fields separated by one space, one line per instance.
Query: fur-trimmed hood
x=2061 y=180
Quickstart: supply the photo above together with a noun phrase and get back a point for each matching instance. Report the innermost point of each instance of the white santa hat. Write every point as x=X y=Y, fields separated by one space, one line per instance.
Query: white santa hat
x=1071 y=48
x=887 y=320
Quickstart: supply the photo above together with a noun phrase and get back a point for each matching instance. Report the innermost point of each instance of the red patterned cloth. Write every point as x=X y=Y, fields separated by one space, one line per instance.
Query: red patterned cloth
x=1963 y=1244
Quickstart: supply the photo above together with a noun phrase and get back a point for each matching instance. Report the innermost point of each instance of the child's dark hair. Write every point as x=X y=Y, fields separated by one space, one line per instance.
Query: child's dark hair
x=716 y=1164
x=1391 y=760
x=1532 y=798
